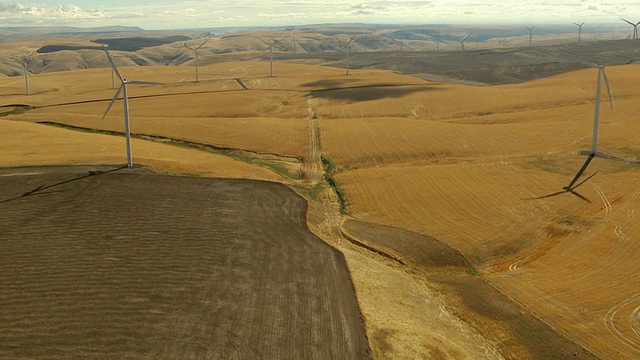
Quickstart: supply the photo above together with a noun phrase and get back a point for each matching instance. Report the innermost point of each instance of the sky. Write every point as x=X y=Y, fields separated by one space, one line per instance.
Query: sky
x=184 y=14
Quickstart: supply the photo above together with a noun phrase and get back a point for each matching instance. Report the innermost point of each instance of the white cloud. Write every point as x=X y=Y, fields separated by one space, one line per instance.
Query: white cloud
x=212 y=13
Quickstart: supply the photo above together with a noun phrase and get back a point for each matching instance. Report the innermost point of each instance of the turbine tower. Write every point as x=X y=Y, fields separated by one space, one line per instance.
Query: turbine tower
x=125 y=99
x=274 y=43
x=195 y=52
x=348 y=51
x=596 y=118
x=579 y=30
x=25 y=65
x=530 y=33
x=635 y=27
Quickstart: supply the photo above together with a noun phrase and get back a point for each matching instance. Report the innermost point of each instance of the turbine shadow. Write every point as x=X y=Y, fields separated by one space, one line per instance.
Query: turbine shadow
x=572 y=185
x=39 y=190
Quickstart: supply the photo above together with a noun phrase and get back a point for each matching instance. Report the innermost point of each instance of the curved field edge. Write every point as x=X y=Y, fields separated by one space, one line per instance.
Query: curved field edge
x=121 y=190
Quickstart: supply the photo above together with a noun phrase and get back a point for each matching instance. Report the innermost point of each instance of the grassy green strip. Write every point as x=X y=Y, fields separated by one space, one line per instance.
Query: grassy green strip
x=189 y=145
x=329 y=171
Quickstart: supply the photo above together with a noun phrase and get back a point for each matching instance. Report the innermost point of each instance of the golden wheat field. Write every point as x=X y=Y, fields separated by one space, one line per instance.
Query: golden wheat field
x=468 y=166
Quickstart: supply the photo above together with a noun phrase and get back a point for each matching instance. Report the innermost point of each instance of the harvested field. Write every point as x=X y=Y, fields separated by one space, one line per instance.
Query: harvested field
x=128 y=264
x=468 y=171
x=25 y=144
x=444 y=266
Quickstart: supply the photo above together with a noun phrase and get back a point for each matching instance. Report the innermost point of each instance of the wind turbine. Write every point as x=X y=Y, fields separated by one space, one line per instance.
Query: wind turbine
x=461 y=41
x=25 y=66
x=125 y=98
x=274 y=43
x=530 y=33
x=635 y=27
x=594 y=149
x=437 y=38
x=348 y=51
x=295 y=44
x=195 y=52
x=579 y=30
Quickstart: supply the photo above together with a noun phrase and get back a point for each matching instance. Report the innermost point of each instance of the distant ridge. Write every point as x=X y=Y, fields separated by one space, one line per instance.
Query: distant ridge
x=40 y=30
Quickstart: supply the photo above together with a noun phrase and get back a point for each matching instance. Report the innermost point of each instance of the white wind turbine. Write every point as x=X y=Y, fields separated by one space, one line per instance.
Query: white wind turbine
x=461 y=41
x=274 y=43
x=579 y=29
x=635 y=27
x=25 y=66
x=347 y=50
x=596 y=119
x=195 y=52
x=530 y=33
x=125 y=99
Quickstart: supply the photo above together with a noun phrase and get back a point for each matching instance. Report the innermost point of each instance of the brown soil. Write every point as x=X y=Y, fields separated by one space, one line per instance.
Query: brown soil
x=128 y=264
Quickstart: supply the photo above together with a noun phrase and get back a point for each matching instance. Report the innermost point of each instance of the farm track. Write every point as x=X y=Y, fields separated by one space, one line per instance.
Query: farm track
x=193 y=268
x=314 y=164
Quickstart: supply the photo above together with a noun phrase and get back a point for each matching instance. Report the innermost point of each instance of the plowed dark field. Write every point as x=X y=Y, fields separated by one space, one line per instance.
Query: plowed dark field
x=128 y=264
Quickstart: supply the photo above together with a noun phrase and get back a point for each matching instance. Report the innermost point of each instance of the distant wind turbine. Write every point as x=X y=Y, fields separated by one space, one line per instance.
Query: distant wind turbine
x=295 y=43
x=579 y=29
x=347 y=50
x=635 y=27
x=530 y=33
x=437 y=38
x=195 y=52
x=274 y=43
x=25 y=65
x=461 y=41
x=125 y=98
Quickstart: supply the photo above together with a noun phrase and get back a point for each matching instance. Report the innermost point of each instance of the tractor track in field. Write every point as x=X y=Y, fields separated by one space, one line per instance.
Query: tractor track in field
x=612 y=317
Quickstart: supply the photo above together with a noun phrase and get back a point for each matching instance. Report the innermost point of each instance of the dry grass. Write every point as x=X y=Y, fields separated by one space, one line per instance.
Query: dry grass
x=24 y=144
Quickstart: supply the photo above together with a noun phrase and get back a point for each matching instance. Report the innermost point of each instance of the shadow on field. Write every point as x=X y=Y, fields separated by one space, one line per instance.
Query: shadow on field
x=369 y=93
x=39 y=190
x=572 y=185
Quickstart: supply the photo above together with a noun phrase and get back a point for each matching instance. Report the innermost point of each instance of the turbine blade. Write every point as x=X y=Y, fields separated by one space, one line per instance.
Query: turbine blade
x=115 y=97
x=606 y=81
x=266 y=43
x=113 y=64
x=466 y=38
x=628 y=22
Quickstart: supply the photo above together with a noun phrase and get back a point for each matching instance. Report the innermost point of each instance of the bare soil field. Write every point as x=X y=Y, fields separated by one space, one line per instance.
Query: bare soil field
x=127 y=264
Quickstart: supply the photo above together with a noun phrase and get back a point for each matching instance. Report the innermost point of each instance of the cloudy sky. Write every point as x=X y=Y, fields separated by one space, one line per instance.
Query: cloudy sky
x=176 y=14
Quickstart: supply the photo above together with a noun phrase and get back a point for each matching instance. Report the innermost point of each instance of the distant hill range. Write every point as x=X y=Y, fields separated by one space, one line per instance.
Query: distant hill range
x=66 y=30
